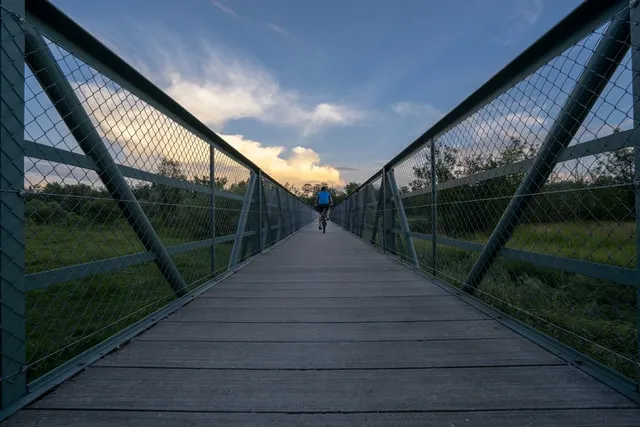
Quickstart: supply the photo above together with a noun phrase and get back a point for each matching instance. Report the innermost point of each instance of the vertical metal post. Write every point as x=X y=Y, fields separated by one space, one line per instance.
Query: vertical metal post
x=379 y=212
x=383 y=194
x=363 y=216
x=212 y=206
x=261 y=227
x=267 y=220
x=404 y=223
x=602 y=64
x=242 y=221
x=55 y=85
x=389 y=216
x=635 y=71
x=434 y=209
x=12 y=206
x=280 y=216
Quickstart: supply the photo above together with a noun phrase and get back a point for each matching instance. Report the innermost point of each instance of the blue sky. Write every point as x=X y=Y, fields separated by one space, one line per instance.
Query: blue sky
x=352 y=82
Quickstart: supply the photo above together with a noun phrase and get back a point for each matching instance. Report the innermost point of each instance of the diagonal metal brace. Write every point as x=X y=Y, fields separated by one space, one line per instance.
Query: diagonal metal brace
x=242 y=222
x=54 y=83
x=603 y=63
x=404 y=223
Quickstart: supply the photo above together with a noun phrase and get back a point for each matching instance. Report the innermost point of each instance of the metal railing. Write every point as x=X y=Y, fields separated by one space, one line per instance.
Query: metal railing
x=526 y=194
x=117 y=205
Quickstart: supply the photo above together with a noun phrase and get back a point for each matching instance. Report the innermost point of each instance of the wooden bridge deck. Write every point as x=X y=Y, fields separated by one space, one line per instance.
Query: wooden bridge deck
x=323 y=330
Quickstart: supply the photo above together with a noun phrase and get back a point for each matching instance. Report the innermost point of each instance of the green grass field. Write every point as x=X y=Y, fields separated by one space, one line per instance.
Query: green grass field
x=68 y=318
x=597 y=317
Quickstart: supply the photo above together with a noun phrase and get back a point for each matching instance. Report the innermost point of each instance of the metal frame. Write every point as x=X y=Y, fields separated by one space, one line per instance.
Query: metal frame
x=404 y=224
x=22 y=43
x=53 y=81
x=603 y=63
x=634 y=22
x=242 y=221
x=605 y=59
x=13 y=384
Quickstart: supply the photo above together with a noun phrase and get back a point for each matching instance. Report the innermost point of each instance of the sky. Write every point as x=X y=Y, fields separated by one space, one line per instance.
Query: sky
x=318 y=91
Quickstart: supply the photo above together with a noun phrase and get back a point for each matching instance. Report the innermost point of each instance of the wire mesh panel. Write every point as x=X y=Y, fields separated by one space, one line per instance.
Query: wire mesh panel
x=112 y=206
x=528 y=200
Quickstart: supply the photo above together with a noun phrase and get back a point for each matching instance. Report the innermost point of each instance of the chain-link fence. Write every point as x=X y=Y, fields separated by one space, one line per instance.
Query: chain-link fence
x=527 y=193
x=114 y=201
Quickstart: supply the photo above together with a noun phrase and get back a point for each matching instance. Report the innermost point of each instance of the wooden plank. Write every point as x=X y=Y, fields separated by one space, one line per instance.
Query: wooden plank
x=301 y=332
x=556 y=418
x=213 y=302
x=325 y=276
x=505 y=388
x=333 y=314
x=326 y=292
x=343 y=355
x=363 y=287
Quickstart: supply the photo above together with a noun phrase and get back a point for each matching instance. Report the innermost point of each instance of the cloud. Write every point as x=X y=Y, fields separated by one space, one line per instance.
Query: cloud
x=278 y=29
x=225 y=9
x=407 y=108
x=346 y=169
x=523 y=16
x=224 y=87
x=301 y=166
x=528 y=12
x=140 y=136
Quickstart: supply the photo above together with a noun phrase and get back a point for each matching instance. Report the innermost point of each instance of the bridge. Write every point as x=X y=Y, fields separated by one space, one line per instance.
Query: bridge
x=153 y=275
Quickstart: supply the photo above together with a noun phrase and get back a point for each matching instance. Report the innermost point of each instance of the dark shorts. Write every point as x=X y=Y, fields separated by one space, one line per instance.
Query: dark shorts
x=322 y=208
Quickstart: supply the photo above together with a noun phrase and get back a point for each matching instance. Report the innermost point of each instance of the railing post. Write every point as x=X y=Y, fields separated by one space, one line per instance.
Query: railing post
x=389 y=215
x=601 y=66
x=635 y=71
x=379 y=212
x=363 y=216
x=260 y=211
x=55 y=85
x=242 y=221
x=280 y=222
x=13 y=374
x=404 y=223
x=434 y=209
x=212 y=205
x=383 y=196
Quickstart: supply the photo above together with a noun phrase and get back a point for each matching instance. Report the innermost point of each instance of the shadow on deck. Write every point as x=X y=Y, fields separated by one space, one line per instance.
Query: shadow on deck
x=324 y=330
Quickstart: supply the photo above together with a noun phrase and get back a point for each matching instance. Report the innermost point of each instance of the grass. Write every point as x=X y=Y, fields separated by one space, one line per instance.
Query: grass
x=596 y=317
x=69 y=318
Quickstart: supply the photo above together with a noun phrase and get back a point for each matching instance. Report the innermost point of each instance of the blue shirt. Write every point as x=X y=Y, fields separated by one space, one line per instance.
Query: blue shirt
x=323 y=197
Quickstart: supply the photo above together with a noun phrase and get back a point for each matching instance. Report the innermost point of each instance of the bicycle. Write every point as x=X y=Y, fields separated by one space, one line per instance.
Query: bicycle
x=323 y=221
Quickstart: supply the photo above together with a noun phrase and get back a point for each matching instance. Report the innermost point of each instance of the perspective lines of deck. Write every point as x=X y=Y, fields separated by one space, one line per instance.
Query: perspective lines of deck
x=324 y=330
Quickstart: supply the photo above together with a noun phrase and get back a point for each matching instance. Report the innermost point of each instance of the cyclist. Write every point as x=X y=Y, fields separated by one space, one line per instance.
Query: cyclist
x=323 y=201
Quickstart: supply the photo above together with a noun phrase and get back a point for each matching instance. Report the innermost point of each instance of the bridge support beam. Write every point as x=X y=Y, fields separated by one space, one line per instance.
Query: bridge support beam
x=12 y=206
x=404 y=223
x=635 y=70
x=603 y=63
x=242 y=222
x=434 y=209
x=55 y=85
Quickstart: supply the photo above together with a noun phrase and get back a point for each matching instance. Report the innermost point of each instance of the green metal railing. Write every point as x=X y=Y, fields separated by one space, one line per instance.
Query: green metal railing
x=117 y=206
x=526 y=194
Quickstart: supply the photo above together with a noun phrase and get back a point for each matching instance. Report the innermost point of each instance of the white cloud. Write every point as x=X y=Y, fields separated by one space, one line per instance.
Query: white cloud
x=225 y=9
x=141 y=136
x=301 y=166
x=279 y=29
x=219 y=86
x=408 y=108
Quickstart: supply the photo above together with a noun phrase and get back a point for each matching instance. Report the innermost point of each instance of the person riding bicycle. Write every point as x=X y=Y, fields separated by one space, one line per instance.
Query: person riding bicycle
x=323 y=201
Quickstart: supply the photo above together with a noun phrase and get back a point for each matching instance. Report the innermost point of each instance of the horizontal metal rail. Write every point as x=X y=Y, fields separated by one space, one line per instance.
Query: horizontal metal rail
x=69 y=158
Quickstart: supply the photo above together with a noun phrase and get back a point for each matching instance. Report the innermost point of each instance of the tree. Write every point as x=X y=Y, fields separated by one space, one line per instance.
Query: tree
x=351 y=187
